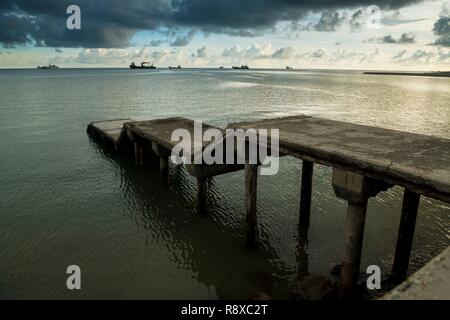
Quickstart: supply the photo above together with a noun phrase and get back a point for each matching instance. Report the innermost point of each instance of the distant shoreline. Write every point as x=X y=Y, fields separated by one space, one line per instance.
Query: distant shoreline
x=444 y=74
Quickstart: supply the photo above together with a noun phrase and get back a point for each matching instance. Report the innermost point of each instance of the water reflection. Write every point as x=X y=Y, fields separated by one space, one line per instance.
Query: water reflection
x=210 y=244
x=65 y=200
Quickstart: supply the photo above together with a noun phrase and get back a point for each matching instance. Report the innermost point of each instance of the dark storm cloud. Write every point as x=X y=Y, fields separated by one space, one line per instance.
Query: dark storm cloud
x=442 y=29
x=112 y=23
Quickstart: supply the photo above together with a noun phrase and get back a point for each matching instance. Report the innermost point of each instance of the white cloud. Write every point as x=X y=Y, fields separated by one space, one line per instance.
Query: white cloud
x=422 y=57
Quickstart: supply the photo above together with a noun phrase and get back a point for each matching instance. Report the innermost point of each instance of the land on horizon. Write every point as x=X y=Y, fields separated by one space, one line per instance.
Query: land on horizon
x=444 y=74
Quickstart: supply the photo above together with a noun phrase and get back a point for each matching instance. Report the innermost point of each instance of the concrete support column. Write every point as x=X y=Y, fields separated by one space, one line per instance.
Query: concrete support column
x=306 y=193
x=163 y=155
x=351 y=259
x=405 y=235
x=356 y=189
x=251 y=177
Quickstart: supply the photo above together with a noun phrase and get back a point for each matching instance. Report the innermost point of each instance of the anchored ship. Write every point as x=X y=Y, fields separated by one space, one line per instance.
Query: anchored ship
x=50 y=66
x=144 y=65
x=243 y=67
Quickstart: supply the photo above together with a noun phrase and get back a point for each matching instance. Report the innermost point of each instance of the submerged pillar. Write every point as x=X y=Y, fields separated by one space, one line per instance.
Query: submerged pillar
x=405 y=235
x=163 y=155
x=356 y=189
x=306 y=193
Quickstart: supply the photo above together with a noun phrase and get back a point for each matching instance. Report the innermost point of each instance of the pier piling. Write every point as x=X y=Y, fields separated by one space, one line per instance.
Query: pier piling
x=356 y=189
x=306 y=193
x=351 y=259
x=405 y=235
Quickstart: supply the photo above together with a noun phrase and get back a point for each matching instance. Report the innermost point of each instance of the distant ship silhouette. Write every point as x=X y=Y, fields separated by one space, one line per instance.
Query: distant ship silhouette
x=144 y=65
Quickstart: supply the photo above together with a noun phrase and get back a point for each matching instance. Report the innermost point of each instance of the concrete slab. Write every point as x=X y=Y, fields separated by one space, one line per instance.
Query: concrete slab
x=109 y=129
x=432 y=282
x=418 y=162
x=160 y=131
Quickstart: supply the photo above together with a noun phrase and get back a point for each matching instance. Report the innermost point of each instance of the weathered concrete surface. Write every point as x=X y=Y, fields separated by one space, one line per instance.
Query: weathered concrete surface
x=110 y=130
x=420 y=163
x=430 y=283
x=160 y=132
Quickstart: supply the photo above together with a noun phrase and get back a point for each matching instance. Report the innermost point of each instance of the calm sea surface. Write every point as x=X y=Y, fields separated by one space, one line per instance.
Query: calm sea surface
x=65 y=200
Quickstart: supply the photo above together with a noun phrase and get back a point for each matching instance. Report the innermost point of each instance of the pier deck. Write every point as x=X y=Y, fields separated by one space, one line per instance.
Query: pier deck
x=418 y=162
x=366 y=160
x=432 y=282
x=159 y=133
x=110 y=129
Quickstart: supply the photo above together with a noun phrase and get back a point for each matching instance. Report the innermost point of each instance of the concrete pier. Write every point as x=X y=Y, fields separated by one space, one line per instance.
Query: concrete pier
x=365 y=160
x=125 y=134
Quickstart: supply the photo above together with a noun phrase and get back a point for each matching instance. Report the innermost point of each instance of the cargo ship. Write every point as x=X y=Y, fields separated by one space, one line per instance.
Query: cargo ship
x=50 y=66
x=243 y=67
x=144 y=65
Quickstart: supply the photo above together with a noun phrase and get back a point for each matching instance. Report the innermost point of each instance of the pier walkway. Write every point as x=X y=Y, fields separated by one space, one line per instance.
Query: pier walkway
x=365 y=160
x=432 y=282
x=110 y=130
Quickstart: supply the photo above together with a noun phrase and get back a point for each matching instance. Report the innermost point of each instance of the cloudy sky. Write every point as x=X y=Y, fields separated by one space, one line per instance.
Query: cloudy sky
x=345 y=34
